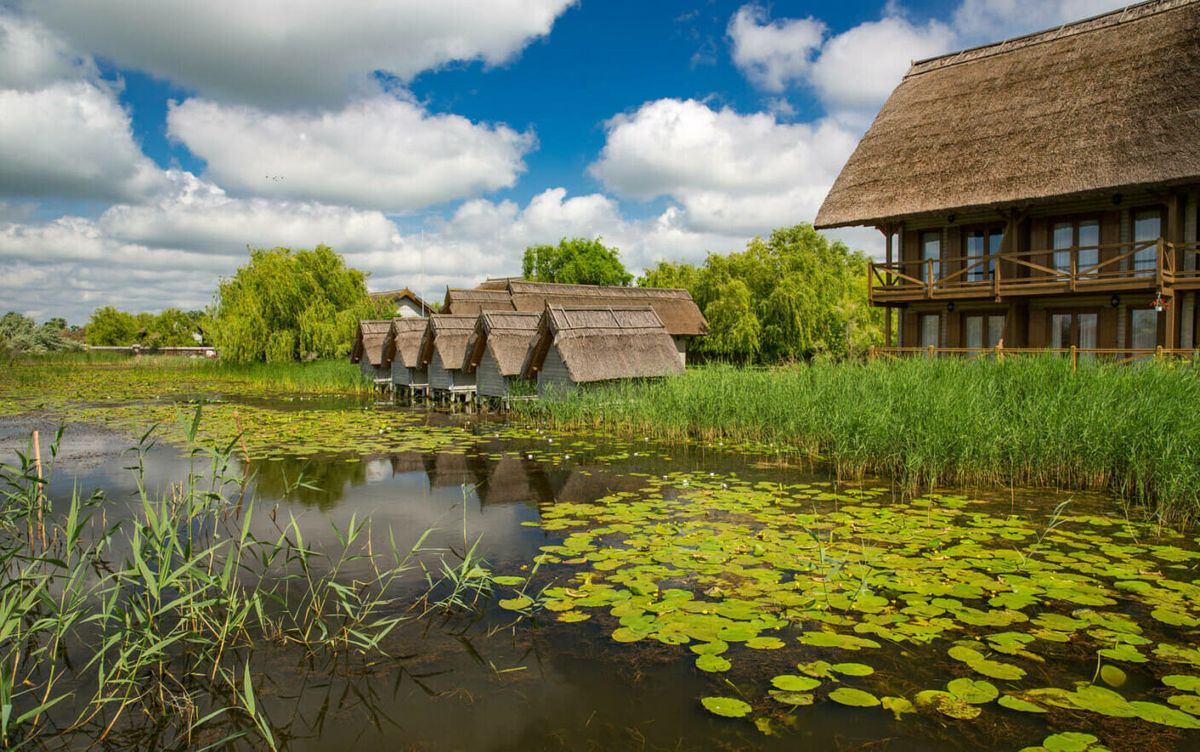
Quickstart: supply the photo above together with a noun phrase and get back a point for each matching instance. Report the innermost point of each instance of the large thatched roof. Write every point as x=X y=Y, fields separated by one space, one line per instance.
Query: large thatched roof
x=446 y=334
x=368 y=341
x=403 y=340
x=476 y=301
x=1090 y=108
x=598 y=343
x=675 y=307
x=506 y=335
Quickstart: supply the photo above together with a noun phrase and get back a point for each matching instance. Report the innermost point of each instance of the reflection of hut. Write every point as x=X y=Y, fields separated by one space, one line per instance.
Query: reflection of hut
x=443 y=350
x=368 y=349
x=679 y=314
x=496 y=350
x=408 y=462
x=476 y=301
x=445 y=469
x=513 y=480
x=584 y=345
x=400 y=350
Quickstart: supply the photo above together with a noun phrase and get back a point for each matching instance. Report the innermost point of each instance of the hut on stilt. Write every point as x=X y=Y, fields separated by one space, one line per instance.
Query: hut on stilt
x=443 y=352
x=496 y=351
x=400 y=351
x=367 y=351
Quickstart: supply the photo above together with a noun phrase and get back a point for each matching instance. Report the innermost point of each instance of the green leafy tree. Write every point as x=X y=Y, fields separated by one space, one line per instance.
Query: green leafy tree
x=576 y=261
x=21 y=334
x=792 y=296
x=111 y=327
x=287 y=304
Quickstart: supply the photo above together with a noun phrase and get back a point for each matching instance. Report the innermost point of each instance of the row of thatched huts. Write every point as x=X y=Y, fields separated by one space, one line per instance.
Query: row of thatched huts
x=492 y=342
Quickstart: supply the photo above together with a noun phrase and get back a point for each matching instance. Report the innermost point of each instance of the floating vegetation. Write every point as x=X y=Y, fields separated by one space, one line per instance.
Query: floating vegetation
x=860 y=595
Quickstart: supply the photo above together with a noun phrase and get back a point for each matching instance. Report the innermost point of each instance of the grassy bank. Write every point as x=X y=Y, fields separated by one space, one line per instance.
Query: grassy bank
x=1131 y=430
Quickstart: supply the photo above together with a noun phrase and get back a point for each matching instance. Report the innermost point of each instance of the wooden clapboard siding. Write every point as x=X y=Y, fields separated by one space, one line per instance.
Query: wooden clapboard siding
x=553 y=374
x=401 y=374
x=489 y=381
x=1106 y=330
x=439 y=377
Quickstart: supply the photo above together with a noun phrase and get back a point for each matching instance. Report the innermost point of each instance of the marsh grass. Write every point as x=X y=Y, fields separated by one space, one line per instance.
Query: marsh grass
x=108 y=628
x=1131 y=430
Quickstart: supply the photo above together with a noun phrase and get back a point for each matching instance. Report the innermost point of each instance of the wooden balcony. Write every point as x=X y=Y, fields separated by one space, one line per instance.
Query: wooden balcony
x=1145 y=266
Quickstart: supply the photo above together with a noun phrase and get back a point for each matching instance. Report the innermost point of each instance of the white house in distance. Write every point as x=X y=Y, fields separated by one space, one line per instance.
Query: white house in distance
x=408 y=303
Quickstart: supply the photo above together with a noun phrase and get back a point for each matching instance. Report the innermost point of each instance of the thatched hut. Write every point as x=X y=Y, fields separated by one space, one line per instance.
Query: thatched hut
x=577 y=345
x=407 y=302
x=368 y=349
x=400 y=351
x=496 y=350
x=679 y=314
x=443 y=351
x=476 y=301
x=1043 y=191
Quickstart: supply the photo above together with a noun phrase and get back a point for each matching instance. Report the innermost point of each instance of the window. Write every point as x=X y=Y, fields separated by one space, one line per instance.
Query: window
x=931 y=250
x=982 y=243
x=931 y=326
x=1143 y=328
x=1147 y=227
x=1079 y=328
x=1081 y=237
x=984 y=331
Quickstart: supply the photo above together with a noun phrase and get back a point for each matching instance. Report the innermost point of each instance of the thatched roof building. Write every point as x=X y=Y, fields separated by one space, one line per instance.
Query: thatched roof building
x=584 y=344
x=675 y=308
x=401 y=348
x=407 y=302
x=1089 y=108
x=443 y=351
x=476 y=301
x=367 y=350
x=496 y=350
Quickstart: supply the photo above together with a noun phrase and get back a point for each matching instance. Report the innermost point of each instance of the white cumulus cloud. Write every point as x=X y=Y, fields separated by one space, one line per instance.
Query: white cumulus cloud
x=381 y=152
x=273 y=53
x=32 y=56
x=983 y=21
x=729 y=172
x=773 y=54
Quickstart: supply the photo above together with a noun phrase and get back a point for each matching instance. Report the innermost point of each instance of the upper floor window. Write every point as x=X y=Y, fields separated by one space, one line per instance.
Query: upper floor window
x=1081 y=238
x=982 y=243
x=931 y=251
x=1147 y=228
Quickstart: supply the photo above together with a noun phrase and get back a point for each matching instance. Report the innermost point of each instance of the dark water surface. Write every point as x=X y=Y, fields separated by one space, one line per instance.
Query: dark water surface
x=493 y=680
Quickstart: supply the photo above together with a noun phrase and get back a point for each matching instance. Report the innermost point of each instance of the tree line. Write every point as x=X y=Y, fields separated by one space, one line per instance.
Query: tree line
x=792 y=296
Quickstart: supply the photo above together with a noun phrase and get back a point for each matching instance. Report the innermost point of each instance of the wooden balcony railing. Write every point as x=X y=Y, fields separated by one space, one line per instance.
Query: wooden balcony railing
x=1142 y=265
x=1000 y=352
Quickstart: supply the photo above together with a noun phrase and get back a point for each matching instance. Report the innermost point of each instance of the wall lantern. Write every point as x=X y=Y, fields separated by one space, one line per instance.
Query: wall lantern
x=1117 y=199
x=1115 y=301
x=950 y=219
x=950 y=306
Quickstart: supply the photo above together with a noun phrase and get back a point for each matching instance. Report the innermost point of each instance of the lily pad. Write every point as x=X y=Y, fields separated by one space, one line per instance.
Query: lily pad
x=712 y=663
x=852 y=669
x=726 y=707
x=520 y=603
x=853 y=697
x=973 y=691
x=793 y=683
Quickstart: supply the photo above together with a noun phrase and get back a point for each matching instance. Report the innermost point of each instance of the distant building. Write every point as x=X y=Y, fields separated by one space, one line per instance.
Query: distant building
x=475 y=301
x=577 y=345
x=408 y=303
x=1042 y=191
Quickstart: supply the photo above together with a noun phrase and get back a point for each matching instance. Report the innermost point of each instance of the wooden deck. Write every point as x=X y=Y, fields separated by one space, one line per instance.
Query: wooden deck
x=1148 y=266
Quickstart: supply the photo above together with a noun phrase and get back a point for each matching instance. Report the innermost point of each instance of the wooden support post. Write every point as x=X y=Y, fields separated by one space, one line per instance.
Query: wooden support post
x=931 y=352
x=1074 y=357
x=1000 y=350
x=1158 y=353
x=887 y=327
x=1170 y=331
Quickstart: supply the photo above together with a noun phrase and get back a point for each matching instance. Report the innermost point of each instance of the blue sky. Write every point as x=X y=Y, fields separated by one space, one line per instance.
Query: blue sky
x=146 y=143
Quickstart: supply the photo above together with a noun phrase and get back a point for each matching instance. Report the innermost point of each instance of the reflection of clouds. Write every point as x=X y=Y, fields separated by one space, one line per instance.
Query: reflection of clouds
x=377 y=470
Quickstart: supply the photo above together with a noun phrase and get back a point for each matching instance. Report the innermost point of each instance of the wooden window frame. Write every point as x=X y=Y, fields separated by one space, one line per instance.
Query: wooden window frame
x=984 y=314
x=1134 y=211
x=921 y=328
x=1074 y=220
x=1074 y=314
x=1160 y=330
x=937 y=262
x=993 y=255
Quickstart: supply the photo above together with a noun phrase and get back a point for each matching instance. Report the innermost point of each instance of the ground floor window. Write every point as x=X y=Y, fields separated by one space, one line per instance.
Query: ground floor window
x=984 y=330
x=1077 y=328
x=1143 y=328
x=930 y=329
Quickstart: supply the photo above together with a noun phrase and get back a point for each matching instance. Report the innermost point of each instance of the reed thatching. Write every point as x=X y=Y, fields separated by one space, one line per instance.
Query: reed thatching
x=600 y=343
x=403 y=340
x=476 y=301
x=403 y=294
x=1089 y=109
x=447 y=335
x=497 y=283
x=675 y=307
x=368 y=341
x=506 y=335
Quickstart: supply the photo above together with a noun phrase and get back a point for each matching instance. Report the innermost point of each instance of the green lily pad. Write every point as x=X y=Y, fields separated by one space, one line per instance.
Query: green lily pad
x=973 y=691
x=1174 y=618
x=1186 y=703
x=791 y=698
x=712 y=663
x=764 y=643
x=1069 y=741
x=897 y=705
x=1152 y=712
x=1112 y=676
x=853 y=697
x=520 y=603
x=507 y=579
x=835 y=640
x=571 y=617
x=1182 y=681
x=792 y=683
x=947 y=704
x=726 y=707
x=625 y=634
x=852 y=669
x=1016 y=703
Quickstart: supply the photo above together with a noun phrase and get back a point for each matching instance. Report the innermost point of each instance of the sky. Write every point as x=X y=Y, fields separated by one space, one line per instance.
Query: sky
x=145 y=145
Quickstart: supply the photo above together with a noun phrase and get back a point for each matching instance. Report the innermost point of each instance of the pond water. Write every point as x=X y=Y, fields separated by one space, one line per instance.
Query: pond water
x=688 y=597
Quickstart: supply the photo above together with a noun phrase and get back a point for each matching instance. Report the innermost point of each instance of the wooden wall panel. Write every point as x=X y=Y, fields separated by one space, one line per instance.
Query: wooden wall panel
x=1037 y=327
x=1106 y=336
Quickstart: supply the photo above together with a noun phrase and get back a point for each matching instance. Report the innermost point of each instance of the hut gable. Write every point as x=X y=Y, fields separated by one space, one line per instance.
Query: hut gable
x=600 y=343
x=405 y=300
x=446 y=335
x=674 y=307
x=476 y=301
x=504 y=334
x=1086 y=109
x=403 y=341
x=368 y=342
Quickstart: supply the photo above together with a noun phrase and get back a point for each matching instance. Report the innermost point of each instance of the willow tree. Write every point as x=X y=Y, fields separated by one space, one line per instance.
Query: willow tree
x=791 y=296
x=288 y=304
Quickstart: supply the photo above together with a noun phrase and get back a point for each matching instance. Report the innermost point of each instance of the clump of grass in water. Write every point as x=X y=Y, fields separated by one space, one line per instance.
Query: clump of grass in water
x=154 y=620
x=1024 y=421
